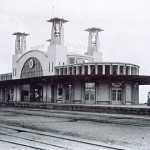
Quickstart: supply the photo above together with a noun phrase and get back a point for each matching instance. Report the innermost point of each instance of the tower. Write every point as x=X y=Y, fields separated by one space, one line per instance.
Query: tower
x=57 y=33
x=57 y=52
x=93 y=43
x=20 y=42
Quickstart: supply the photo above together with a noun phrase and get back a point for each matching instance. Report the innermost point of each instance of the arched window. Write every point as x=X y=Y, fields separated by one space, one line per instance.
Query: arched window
x=32 y=68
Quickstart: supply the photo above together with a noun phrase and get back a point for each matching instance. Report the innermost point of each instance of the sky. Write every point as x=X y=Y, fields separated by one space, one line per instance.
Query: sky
x=126 y=25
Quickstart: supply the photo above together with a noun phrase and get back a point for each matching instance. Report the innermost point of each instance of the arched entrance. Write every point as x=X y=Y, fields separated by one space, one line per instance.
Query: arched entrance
x=32 y=92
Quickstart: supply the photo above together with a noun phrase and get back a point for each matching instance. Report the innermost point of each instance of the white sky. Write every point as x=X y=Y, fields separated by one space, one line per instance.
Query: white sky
x=125 y=38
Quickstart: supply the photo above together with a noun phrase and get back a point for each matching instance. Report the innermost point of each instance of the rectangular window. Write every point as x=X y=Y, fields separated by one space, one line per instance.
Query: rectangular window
x=113 y=95
x=71 y=60
x=79 y=60
x=116 y=91
x=119 y=95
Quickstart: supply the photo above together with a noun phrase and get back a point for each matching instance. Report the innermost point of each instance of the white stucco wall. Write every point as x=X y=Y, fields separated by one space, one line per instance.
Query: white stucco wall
x=103 y=93
x=135 y=94
x=57 y=54
x=77 y=91
x=128 y=93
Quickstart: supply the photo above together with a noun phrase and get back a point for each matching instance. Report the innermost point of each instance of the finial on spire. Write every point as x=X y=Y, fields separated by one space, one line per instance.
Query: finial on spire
x=53 y=11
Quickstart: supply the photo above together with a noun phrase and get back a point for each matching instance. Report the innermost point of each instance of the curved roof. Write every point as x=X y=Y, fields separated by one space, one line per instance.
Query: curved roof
x=32 y=52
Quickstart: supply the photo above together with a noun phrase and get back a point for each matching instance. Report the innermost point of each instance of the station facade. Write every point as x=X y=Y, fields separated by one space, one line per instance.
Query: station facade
x=64 y=77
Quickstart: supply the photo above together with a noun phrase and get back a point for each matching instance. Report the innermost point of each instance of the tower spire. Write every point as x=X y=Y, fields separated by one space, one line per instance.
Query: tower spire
x=57 y=34
x=20 y=42
x=93 y=43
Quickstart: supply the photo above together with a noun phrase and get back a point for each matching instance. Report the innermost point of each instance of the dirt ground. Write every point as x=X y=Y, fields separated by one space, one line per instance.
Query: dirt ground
x=127 y=131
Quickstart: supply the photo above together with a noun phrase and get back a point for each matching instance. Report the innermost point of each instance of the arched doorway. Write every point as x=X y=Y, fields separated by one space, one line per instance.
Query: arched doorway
x=32 y=92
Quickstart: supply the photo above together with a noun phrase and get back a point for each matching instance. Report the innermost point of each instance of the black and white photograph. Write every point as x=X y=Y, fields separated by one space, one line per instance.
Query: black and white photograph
x=75 y=75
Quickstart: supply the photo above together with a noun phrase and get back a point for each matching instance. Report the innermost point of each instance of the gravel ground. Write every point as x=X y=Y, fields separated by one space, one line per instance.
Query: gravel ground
x=100 y=128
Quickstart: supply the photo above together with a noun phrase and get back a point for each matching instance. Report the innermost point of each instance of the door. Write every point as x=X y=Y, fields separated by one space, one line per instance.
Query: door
x=89 y=93
x=116 y=96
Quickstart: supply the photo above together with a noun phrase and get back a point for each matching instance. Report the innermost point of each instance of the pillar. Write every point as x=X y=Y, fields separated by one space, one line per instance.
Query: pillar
x=111 y=69
x=96 y=69
x=73 y=70
x=17 y=93
x=118 y=69
x=103 y=71
x=124 y=70
x=67 y=70
x=1 y=94
x=129 y=70
x=83 y=70
x=45 y=93
x=48 y=93
x=77 y=70
x=89 y=69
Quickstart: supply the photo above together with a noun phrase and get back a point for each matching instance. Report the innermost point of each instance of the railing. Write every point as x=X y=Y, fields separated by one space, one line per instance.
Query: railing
x=103 y=68
x=7 y=76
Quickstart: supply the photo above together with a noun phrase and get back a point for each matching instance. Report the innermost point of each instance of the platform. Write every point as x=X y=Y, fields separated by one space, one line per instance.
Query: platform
x=112 y=109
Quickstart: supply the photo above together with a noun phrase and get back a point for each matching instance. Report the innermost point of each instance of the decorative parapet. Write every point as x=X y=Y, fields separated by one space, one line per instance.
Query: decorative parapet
x=102 y=68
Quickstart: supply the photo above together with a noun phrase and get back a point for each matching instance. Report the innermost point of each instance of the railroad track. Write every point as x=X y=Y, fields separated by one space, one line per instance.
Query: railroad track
x=31 y=139
x=111 y=120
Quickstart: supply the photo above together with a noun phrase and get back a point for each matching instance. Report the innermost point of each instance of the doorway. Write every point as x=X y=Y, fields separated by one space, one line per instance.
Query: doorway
x=36 y=93
x=89 y=93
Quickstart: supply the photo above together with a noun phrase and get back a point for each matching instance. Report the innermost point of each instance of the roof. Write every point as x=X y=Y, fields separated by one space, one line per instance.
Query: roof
x=20 y=33
x=57 y=19
x=93 y=28
x=141 y=80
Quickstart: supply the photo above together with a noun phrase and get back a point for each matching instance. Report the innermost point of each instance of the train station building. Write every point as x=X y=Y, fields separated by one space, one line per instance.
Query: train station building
x=59 y=76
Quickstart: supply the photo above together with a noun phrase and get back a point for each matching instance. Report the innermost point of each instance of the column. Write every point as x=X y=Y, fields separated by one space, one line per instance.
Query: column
x=48 y=95
x=83 y=70
x=67 y=70
x=137 y=70
x=72 y=70
x=17 y=93
x=124 y=70
x=59 y=71
x=63 y=70
x=118 y=69
x=130 y=70
x=0 y=94
x=103 y=71
x=77 y=70
x=89 y=69
x=44 y=93
x=96 y=69
x=111 y=69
